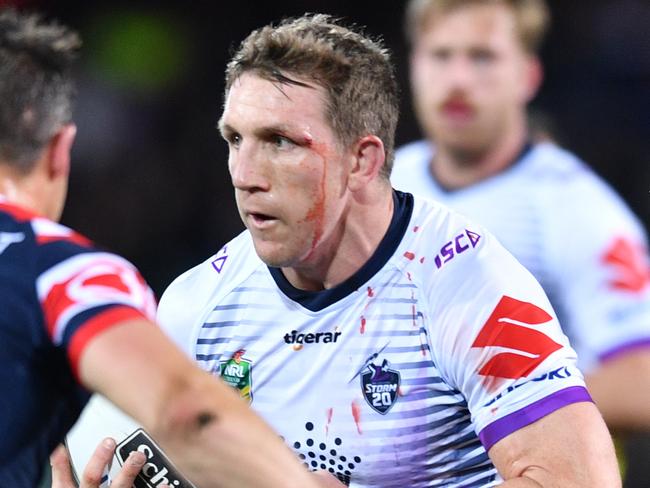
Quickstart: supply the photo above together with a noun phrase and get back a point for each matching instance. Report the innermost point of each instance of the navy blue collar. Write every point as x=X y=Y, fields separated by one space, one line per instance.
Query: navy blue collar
x=318 y=300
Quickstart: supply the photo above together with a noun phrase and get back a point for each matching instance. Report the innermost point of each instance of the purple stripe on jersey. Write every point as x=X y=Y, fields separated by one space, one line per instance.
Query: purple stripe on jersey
x=624 y=348
x=499 y=429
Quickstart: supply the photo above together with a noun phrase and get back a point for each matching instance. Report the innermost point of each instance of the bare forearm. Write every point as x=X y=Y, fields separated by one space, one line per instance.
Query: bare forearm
x=213 y=437
x=228 y=446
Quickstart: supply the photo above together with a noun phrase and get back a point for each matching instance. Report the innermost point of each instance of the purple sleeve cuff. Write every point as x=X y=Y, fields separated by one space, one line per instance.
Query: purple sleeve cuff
x=499 y=429
x=624 y=348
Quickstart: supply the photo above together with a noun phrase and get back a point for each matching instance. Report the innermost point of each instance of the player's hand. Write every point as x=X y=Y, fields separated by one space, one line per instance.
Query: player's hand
x=327 y=480
x=92 y=475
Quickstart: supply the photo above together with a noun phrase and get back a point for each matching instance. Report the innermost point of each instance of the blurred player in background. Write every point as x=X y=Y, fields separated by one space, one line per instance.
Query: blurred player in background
x=474 y=68
x=366 y=325
x=74 y=318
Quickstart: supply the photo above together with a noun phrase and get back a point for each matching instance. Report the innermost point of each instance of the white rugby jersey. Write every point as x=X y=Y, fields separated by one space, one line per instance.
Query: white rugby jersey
x=570 y=229
x=405 y=374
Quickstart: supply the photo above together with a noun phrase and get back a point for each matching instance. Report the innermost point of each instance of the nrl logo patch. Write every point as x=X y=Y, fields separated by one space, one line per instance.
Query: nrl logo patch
x=236 y=371
x=380 y=385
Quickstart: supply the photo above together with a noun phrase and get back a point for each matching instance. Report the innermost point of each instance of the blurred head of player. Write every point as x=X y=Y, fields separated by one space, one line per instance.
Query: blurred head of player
x=474 y=68
x=36 y=132
x=309 y=116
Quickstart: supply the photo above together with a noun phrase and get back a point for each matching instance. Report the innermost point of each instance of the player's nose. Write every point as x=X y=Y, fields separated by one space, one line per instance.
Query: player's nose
x=248 y=169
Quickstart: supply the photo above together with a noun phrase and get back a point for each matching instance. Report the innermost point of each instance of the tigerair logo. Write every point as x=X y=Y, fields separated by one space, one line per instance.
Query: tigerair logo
x=509 y=327
x=294 y=337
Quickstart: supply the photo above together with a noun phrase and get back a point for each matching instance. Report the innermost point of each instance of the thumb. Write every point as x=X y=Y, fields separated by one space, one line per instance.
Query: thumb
x=61 y=472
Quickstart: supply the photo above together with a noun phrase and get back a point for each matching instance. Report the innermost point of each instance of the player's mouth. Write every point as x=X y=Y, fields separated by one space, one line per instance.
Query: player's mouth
x=260 y=220
x=458 y=111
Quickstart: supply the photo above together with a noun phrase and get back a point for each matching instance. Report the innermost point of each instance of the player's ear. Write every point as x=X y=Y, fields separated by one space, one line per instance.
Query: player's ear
x=367 y=160
x=534 y=75
x=58 y=151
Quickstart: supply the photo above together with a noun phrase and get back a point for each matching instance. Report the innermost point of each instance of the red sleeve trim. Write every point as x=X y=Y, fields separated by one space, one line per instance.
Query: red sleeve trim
x=93 y=327
x=18 y=213
x=73 y=237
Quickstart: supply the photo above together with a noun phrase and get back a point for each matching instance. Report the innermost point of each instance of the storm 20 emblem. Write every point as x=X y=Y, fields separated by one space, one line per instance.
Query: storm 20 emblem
x=380 y=386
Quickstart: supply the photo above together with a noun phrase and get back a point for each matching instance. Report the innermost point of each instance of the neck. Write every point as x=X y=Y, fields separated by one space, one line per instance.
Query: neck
x=20 y=190
x=455 y=169
x=350 y=245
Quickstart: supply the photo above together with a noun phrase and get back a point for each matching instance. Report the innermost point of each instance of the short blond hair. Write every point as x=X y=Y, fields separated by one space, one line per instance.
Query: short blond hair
x=355 y=71
x=532 y=17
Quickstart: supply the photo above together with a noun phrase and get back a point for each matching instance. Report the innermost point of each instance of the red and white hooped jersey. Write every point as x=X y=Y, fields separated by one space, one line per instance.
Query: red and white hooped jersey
x=57 y=292
x=569 y=229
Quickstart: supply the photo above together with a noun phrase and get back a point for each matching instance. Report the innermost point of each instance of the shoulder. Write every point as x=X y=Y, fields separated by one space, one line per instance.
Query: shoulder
x=21 y=226
x=56 y=253
x=450 y=248
x=562 y=172
x=457 y=260
x=573 y=196
x=553 y=163
x=193 y=290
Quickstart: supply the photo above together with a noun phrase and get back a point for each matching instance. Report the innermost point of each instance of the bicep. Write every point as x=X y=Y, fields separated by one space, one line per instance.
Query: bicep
x=570 y=447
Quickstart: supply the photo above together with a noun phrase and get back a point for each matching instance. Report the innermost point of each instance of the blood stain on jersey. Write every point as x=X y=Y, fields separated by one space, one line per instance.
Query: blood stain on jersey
x=630 y=262
x=409 y=255
x=362 y=328
x=237 y=372
x=356 y=415
x=505 y=328
x=371 y=292
x=416 y=228
x=379 y=385
x=328 y=413
x=414 y=313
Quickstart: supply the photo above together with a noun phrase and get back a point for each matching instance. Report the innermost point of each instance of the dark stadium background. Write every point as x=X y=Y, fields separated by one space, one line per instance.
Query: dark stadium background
x=150 y=177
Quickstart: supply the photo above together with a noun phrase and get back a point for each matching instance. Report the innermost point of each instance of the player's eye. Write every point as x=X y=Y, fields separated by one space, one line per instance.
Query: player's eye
x=233 y=139
x=281 y=142
x=482 y=56
x=440 y=54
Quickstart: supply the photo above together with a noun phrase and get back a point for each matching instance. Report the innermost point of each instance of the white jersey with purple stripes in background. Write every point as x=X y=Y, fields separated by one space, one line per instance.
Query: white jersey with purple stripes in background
x=405 y=374
x=570 y=229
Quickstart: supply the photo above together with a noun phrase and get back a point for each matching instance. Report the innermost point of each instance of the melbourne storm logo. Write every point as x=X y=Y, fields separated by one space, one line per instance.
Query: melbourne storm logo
x=380 y=386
